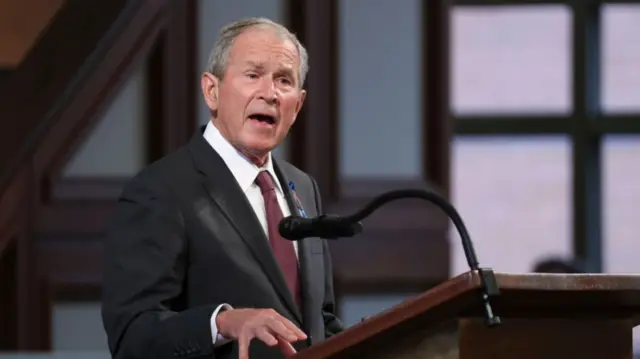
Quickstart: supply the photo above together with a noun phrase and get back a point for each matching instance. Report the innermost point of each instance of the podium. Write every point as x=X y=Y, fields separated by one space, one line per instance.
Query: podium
x=570 y=316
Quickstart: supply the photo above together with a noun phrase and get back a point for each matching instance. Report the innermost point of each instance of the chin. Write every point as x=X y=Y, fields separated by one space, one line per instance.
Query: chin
x=260 y=147
x=260 y=142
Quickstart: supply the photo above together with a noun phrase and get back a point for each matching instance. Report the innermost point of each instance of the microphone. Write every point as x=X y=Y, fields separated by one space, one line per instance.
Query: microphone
x=334 y=227
x=295 y=228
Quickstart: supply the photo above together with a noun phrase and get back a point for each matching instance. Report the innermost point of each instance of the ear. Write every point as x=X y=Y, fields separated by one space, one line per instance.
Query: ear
x=303 y=95
x=210 y=88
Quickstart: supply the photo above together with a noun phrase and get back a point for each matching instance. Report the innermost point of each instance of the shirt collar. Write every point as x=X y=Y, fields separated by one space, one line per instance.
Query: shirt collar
x=244 y=171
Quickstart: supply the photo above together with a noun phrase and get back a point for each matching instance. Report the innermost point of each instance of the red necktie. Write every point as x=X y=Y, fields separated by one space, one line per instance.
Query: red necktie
x=283 y=249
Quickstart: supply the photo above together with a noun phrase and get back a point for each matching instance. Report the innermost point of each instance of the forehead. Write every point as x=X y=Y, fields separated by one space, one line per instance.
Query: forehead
x=263 y=45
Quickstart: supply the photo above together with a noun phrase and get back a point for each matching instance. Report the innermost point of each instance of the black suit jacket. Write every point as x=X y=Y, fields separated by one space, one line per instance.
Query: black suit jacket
x=185 y=239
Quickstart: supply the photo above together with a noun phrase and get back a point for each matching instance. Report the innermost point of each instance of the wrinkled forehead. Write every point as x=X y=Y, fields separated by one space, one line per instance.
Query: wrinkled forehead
x=264 y=45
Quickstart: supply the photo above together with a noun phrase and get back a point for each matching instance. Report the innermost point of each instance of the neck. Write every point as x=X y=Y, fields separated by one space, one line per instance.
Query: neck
x=257 y=158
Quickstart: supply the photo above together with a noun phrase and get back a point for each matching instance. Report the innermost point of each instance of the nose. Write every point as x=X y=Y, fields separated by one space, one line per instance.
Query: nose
x=268 y=91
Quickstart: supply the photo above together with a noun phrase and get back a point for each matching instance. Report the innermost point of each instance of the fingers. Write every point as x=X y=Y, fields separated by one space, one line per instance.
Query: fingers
x=243 y=346
x=267 y=326
x=277 y=326
x=264 y=335
x=300 y=335
x=286 y=328
x=286 y=348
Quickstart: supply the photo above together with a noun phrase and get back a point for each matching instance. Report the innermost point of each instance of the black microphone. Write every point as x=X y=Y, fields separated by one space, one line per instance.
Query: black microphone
x=333 y=227
x=295 y=228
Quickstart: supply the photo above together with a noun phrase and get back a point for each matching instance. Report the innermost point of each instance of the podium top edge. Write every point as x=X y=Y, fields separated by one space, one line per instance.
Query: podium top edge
x=556 y=281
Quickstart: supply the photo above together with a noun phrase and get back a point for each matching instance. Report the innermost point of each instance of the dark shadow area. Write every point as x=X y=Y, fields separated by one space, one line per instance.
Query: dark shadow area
x=559 y=265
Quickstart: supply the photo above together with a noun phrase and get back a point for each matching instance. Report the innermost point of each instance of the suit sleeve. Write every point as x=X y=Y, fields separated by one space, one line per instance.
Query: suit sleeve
x=332 y=325
x=145 y=267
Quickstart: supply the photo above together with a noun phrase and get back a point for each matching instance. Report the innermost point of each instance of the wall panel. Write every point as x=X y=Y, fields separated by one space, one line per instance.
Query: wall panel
x=116 y=146
x=380 y=88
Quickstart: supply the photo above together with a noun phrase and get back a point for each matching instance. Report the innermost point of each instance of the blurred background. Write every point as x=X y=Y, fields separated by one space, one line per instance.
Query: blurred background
x=525 y=114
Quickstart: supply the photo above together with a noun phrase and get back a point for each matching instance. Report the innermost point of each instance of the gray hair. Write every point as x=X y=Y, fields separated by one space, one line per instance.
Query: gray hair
x=217 y=64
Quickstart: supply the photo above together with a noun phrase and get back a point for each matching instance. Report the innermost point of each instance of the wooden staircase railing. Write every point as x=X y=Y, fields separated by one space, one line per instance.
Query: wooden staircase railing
x=21 y=22
x=47 y=105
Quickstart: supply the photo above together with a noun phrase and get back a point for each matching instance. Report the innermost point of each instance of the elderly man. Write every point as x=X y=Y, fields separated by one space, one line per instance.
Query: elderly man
x=195 y=266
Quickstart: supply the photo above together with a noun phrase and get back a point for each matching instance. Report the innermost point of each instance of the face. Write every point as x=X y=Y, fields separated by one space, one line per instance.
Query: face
x=259 y=97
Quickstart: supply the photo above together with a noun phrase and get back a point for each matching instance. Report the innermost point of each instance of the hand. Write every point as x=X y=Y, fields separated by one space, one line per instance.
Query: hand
x=265 y=324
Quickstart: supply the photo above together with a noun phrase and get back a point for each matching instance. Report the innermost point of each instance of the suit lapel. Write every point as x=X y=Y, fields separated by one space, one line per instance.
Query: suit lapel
x=304 y=251
x=228 y=196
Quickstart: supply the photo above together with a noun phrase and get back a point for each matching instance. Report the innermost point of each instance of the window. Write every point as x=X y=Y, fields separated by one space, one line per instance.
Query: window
x=621 y=196
x=517 y=62
x=620 y=58
x=511 y=59
x=514 y=195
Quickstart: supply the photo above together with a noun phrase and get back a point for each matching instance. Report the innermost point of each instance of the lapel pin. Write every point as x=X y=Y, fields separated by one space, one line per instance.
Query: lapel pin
x=296 y=200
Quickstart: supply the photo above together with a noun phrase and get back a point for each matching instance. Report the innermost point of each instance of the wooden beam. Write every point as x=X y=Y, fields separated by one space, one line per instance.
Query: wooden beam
x=75 y=217
x=436 y=119
x=12 y=220
x=87 y=189
x=616 y=123
x=314 y=141
x=587 y=183
x=73 y=264
x=72 y=76
x=81 y=113
x=21 y=288
x=32 y=312
x=485 y=3
x=8 y=297
x=75 y=80
x=171 y=82
x=76 y=210
x=20 y=27
x=526 y=124
x=512 y=124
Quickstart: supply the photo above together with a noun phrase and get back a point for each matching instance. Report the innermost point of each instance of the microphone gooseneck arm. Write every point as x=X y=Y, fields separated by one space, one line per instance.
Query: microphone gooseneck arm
x=489 y=282
x=382 y=199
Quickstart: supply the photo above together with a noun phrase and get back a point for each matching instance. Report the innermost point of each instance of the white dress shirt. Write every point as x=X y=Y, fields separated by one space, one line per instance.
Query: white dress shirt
x=245 y=173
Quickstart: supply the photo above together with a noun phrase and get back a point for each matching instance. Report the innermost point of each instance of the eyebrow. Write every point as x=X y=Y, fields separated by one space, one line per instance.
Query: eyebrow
x=283 y=70
x=255 y=64
x=286 y=71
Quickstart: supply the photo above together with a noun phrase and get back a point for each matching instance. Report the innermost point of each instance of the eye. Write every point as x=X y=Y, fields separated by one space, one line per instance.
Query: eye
x=252 y=75
x=285 y=81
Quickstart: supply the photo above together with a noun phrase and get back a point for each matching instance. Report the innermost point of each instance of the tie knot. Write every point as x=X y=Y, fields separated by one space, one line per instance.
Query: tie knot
x=265 y=182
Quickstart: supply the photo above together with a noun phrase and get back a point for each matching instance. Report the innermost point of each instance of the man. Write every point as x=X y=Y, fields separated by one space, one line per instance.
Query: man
x=559 y=265
x=195 y=266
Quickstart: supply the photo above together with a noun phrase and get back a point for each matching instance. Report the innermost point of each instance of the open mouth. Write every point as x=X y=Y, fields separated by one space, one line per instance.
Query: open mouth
x=263 y=119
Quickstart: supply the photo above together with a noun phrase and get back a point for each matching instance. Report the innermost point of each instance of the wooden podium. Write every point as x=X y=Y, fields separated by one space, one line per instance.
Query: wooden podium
x=581 y=316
